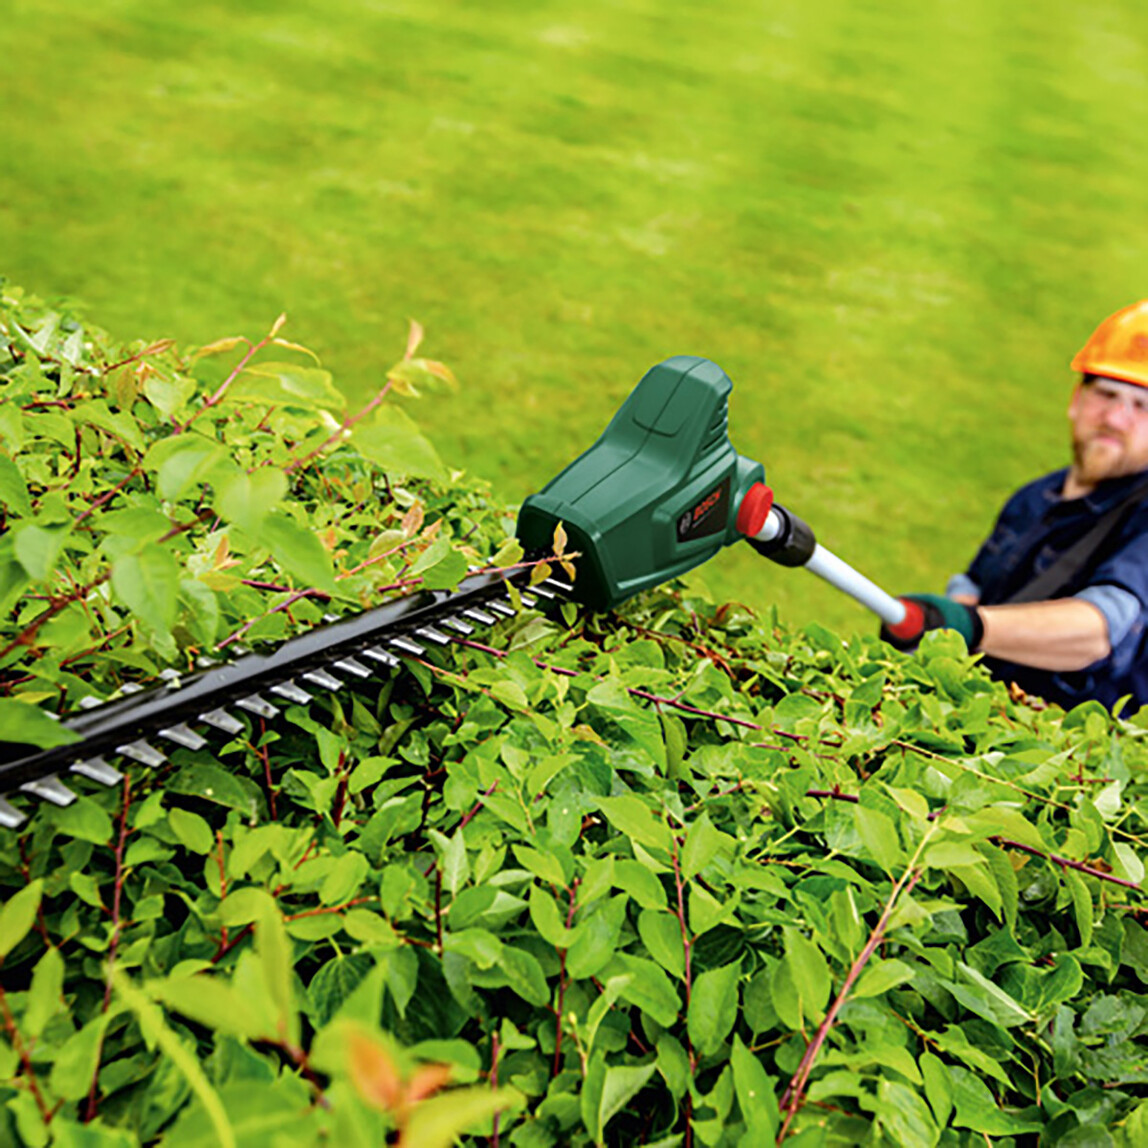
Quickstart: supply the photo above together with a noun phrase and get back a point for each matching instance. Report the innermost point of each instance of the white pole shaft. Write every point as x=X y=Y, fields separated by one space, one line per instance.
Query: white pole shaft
x=825 y=564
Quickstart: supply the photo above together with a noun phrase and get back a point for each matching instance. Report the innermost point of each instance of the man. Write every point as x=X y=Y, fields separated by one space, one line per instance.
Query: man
x=1057 y=597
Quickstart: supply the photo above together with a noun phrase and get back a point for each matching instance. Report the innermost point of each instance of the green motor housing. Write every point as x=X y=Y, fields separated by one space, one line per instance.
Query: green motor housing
x=656 y=495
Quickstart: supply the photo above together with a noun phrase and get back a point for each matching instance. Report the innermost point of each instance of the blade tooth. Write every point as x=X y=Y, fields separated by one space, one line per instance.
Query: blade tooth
x=557 y=584
x=503 y=608
x=407 y=646
x=90 y=702
x=291 y=692
x=143 y=752
x=184 y=735
x=433 y=635
x=457 y=625
x=328 y=618
x=481 y=616
x=350 y=666
x=98 y=770
x=170 y=675
x=49 y=788
x=10 y=816
x=529 y=601
x=322 y=679
x=383 y=657
x=258 y=706
x=543 y=591
x=203 y=662
x=220 y=719
x=130 y=688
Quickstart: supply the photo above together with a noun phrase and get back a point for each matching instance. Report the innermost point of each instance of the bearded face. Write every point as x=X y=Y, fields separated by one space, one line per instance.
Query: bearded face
x=1109 y=431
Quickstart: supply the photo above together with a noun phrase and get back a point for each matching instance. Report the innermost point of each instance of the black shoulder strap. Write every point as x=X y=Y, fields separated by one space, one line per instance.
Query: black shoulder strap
x=1082 y=554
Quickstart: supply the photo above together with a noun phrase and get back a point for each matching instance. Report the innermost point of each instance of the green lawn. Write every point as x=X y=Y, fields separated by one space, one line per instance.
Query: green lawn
x=891 y=223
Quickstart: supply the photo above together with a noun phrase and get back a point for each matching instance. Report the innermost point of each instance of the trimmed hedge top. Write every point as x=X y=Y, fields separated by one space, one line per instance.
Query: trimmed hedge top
x=671 y=876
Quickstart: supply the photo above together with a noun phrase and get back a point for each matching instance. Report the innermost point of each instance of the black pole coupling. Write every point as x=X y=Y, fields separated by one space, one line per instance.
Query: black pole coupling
x=793 y=545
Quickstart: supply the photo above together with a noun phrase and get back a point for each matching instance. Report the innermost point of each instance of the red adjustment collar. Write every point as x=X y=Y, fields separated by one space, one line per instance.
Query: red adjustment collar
x=754 y=509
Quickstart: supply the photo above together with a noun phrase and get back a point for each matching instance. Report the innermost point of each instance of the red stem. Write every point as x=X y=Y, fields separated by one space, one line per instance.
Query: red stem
x=336 y=435
x=25 y=1060
x=562 y=979
x=791 y=1100
x=680 y=886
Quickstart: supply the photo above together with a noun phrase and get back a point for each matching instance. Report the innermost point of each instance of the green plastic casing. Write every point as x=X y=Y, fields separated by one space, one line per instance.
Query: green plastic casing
x=656 y=495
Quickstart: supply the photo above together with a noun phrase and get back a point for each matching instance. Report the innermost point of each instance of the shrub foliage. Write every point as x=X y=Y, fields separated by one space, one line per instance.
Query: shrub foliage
x=675 y=876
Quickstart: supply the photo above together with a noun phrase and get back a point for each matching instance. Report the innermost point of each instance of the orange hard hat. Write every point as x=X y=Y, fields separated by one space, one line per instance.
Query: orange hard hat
x=1118 y=348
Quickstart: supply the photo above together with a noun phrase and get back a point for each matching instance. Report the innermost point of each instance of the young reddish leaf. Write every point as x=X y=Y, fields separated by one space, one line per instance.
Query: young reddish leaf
x=222 y=345
x=414 y=338
x=427 y=1080
x=374 y=1072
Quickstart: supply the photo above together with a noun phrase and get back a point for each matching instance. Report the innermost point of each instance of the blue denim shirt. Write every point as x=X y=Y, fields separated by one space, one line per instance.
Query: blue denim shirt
x=1035 y=527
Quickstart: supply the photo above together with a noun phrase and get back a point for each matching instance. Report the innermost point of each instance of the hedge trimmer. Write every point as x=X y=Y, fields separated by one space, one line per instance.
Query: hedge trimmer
x=659 y=493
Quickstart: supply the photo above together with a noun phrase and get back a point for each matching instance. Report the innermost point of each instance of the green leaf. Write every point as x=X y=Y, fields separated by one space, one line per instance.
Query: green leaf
x=756 y=1097
x=633 y=818
x=27 y=724
x=393 y=441
x=13 y=490
x=213 y=783
x=148 y=584
x=938 y=1087
x=808 y=972
x=881 y=976
x=186 y=461
x=18 y=915
x=85 y=820
x=640 y=722
x=904 y=1116
x=642 y=885
x=169 y=394
x=619 y=1086
x=343 y=881
x=713 y=1007
x=289 y=385
x=976 y=1108
x=1081 y=905
x=703 y=843
x=879 y=834
x=597 y=939
x=246 y=500
x=547 y=919
x=334 y=983
x=545 y=866
x=213 y=1002
x=299 y=552
x=661 y=933
x=524 y=975
x=649 y=988
x=45 y=993
x=193 y=832
x=244 y=905
x=447 y=573
x=158 y=1033
x=452 y=858
x=75 y=1064
x=439 y=1121
x=274 y=952
x=38 y=548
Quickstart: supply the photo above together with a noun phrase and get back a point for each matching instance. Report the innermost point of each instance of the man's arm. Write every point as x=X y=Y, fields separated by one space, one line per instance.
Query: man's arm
x=1066 y=634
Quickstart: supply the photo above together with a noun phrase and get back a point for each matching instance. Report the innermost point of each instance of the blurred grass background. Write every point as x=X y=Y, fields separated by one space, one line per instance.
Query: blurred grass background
x=892 y=223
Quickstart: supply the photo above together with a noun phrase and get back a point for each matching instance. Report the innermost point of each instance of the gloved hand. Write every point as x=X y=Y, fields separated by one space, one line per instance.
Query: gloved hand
x=934 y=612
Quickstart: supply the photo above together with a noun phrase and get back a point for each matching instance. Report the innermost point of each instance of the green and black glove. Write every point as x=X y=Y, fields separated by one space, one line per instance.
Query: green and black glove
x=934 y=612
